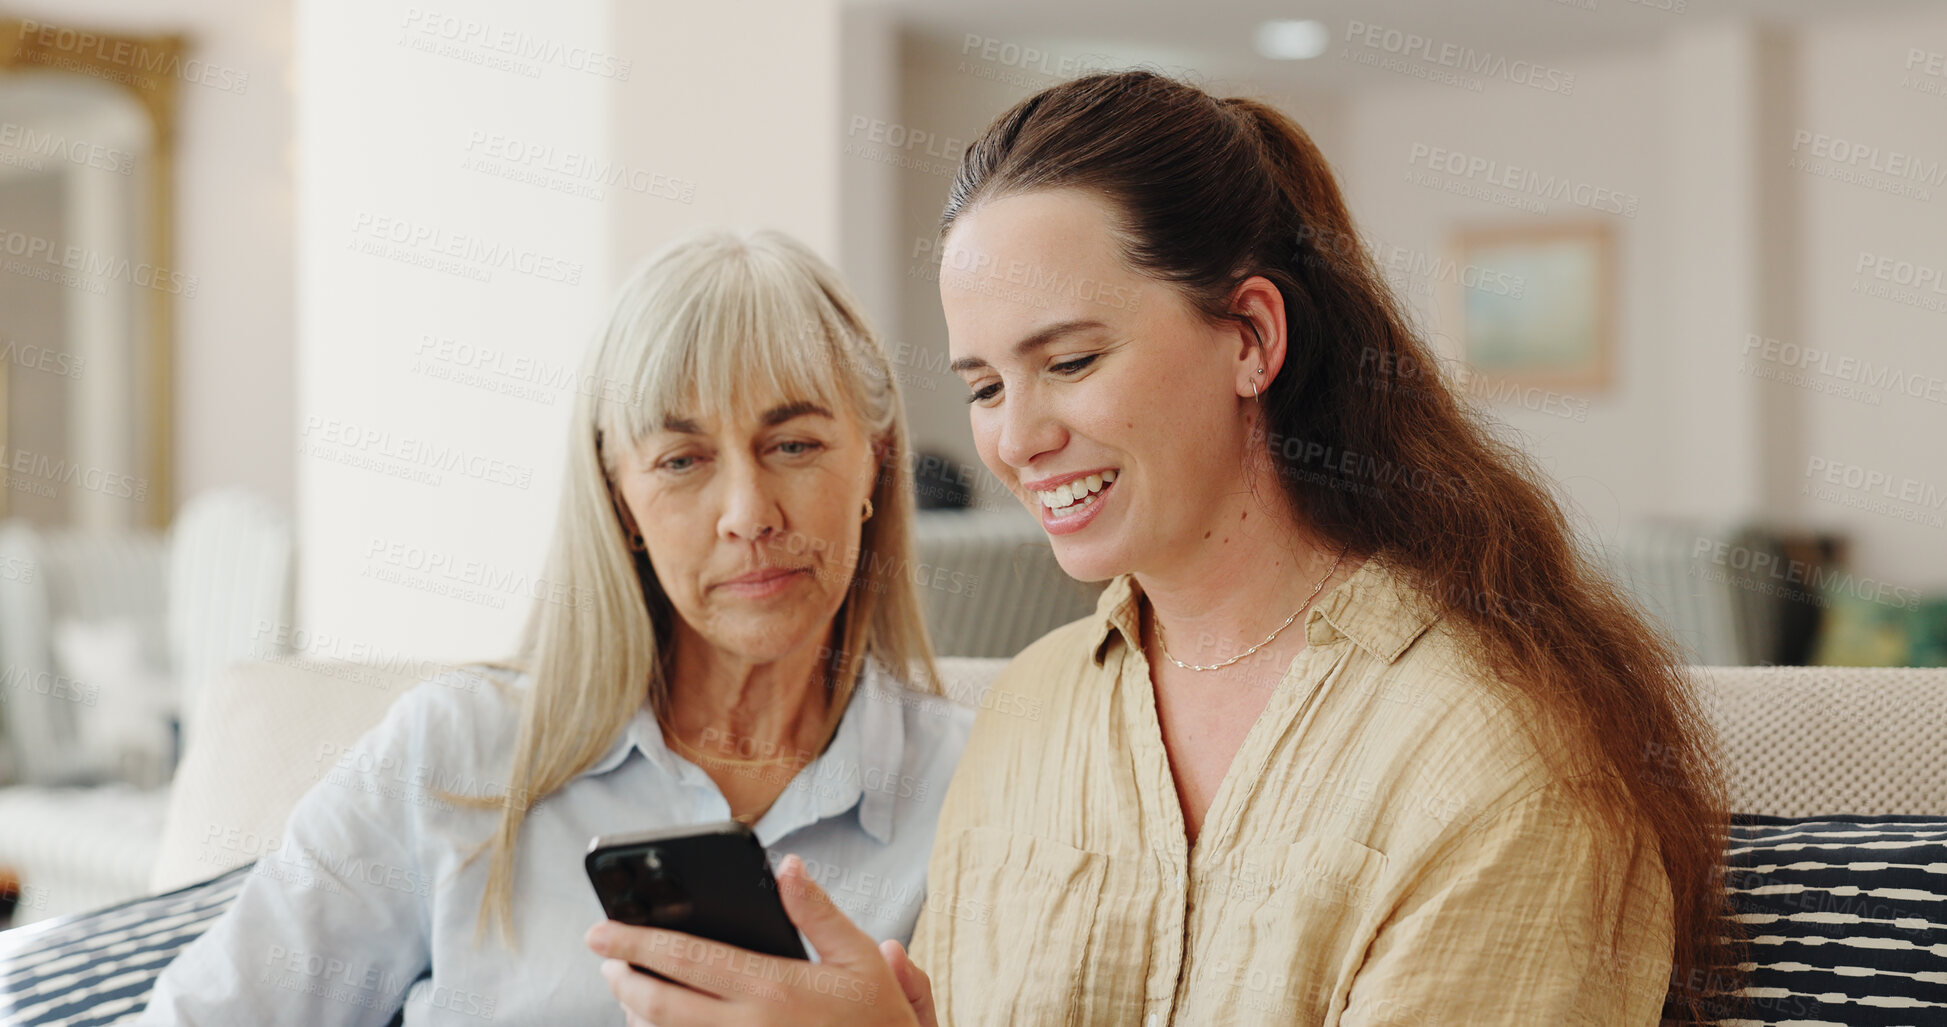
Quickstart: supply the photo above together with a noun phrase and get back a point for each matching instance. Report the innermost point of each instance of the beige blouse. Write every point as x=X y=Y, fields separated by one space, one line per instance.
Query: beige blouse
x=1386 y=848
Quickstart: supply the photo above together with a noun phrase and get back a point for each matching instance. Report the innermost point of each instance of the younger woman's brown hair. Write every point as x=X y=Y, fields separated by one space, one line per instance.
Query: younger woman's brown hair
x=1207 y=192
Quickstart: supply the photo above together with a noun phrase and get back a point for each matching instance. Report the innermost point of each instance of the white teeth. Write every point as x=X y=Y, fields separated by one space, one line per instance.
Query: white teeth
x=1074 y=491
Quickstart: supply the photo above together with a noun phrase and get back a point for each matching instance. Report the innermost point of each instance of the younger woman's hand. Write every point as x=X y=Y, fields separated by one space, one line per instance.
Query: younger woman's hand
x=856 y=983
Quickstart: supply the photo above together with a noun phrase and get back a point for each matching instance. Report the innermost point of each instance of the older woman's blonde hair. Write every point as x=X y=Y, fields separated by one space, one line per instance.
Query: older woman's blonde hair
x=712 y=325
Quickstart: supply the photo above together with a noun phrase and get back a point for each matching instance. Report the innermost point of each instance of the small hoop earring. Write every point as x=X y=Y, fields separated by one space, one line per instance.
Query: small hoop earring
x=868 y=509
x=1255 y=394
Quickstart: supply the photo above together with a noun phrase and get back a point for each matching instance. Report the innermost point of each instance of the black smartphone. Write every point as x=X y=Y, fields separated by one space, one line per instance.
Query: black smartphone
x=710 y=880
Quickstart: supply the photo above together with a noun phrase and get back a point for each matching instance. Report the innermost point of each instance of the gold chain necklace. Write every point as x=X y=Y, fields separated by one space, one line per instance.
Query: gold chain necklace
x=1164 y=645
x=749 y=816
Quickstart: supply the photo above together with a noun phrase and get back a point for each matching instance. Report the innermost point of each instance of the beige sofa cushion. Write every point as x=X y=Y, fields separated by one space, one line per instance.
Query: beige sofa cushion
x=1801 y=741
x=261 y=728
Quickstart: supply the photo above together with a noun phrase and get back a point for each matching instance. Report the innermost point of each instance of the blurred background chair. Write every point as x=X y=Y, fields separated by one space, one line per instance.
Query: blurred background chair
x=990 y=583
x=104 y=646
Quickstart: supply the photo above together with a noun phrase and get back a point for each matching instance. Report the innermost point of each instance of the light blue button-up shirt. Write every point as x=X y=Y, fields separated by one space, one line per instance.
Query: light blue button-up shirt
x=365 y=906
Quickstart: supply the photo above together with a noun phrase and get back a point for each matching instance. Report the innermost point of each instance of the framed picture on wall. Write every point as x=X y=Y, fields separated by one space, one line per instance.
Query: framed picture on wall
x=1539 y=304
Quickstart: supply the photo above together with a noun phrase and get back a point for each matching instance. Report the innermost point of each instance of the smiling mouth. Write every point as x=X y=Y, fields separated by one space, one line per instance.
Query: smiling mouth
x=1075 y=495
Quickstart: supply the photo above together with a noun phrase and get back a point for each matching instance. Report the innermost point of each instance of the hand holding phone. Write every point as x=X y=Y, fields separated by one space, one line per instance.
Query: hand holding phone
x=710 y=880
x=857 y=982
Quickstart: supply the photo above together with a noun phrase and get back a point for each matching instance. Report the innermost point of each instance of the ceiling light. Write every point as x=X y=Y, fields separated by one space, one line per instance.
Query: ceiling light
x=1288 y=40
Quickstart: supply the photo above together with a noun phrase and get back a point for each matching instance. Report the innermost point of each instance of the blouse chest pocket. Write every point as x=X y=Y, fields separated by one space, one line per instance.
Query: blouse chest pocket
x=1278 y=926
x=1019 y=912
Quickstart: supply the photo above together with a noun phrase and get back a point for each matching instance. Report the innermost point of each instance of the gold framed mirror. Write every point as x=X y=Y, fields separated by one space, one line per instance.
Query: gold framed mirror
x=88 y=280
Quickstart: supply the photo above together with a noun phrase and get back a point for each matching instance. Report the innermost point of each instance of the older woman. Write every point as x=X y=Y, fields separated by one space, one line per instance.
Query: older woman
x=731 y=636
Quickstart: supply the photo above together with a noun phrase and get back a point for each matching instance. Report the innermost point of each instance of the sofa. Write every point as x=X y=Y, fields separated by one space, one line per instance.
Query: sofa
x=1820 y=759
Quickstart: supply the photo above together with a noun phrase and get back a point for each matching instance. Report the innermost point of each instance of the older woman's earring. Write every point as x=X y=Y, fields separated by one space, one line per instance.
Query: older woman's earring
x=1254 y=393
x=867 y=514
x=635 y=543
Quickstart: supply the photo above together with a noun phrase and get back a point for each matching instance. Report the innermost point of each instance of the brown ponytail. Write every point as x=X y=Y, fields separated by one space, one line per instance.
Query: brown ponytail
x=1209 y=192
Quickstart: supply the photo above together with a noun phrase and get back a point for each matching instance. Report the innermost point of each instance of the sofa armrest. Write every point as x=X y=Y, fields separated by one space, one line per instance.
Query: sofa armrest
x=266 y=729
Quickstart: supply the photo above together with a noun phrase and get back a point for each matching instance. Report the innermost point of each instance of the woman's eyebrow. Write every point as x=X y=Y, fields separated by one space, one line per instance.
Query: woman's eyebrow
x=1033 y=342
x=779 y=414
x=772 y=418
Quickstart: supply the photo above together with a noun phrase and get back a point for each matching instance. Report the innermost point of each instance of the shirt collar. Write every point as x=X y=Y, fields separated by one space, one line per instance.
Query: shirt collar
x=861 y=766
x=879 y=708
x=1376 y=608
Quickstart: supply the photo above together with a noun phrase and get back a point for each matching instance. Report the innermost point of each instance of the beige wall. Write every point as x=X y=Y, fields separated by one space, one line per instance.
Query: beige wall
x=684 y=102
x=1729 y=242
x=1855 y=86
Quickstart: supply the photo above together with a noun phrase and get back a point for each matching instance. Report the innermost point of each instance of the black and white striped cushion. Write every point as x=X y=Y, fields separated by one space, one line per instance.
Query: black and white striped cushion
x=97 y=968
x=1846 y=917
